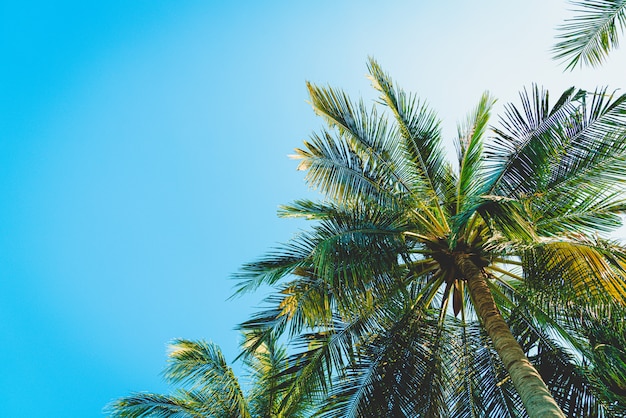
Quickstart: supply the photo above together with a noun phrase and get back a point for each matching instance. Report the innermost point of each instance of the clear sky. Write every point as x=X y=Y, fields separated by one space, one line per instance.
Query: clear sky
x=143 y=156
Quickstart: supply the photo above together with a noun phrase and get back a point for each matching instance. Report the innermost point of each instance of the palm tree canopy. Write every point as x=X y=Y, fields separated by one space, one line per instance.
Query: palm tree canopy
x=588 y=37
x=210 y=389
x=382 y=295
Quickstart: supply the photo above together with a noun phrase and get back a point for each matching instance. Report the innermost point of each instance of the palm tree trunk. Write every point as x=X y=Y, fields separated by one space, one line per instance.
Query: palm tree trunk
x=534 y=393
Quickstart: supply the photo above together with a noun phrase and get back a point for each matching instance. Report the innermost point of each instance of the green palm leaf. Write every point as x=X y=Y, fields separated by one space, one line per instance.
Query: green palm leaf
x=525 y=143
x=470 y=151
x=420 y=130
x=401 y=372
x=589 y=36
x=201 y=365
x=482 y=387
x=140 y=405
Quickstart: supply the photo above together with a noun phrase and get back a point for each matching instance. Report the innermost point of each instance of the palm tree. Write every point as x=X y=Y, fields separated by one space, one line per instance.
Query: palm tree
x=211 y=389
x=428 y=288
x=589 y=36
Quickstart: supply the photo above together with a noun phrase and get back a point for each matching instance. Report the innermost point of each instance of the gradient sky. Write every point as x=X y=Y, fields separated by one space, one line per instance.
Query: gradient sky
x=143 y=156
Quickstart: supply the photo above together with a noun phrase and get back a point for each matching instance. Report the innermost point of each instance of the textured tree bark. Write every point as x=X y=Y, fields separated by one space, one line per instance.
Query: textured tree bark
x=534 y=393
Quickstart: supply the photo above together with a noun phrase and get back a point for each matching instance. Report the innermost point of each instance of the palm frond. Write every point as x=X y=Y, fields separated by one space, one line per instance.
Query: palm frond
x=265 y=363
x=609 y=377
x=308 y=209
x=335 y=247
x=604 y=329
x=201 y=365
x=567 y=171
x=298 y=305
x=363 y=151
x=321 y=354
x=520 y=153
x=586 y=213
x=333 y=167
x=329 y=349
x=470 y=151
x=591 y=147
x=482 y=387
x=308 y=301
x=144 y=405
x=588 y=37
x=577 y=271
x=421 y=131
x=401 y=372
x=291 y=257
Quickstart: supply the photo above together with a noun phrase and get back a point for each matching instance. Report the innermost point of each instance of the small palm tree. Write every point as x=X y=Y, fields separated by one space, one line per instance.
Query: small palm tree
x=592 y=33
x=429 y=288
x=211 y=389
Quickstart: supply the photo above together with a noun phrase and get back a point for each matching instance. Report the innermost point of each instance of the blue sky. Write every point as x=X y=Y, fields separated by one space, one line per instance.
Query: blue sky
x=143 y=156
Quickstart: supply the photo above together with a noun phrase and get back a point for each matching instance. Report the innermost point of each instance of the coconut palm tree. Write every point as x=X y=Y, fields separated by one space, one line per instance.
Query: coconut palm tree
x=594 y=31
x=433 y=288
x=211 y=389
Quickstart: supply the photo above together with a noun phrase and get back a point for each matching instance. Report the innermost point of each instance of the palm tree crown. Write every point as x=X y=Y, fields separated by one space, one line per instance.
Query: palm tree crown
x=210 y=388
x=435 y=288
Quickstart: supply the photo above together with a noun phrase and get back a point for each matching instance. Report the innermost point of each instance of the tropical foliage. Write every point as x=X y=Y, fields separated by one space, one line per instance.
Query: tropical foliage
x=605 y=330
x=209 y=387
x=588 y=37
x=429 y=288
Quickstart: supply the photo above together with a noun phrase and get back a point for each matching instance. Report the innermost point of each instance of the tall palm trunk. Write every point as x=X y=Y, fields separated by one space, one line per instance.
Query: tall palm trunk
x=534 y=393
